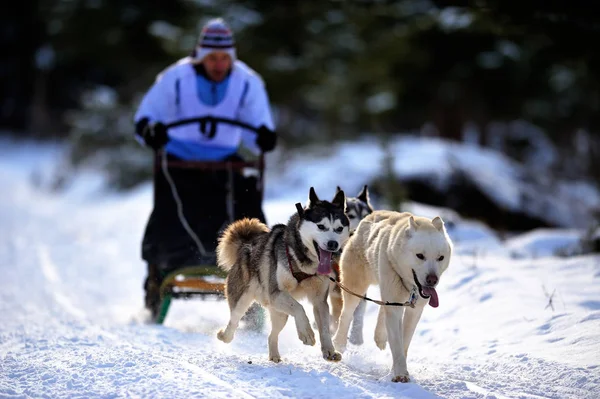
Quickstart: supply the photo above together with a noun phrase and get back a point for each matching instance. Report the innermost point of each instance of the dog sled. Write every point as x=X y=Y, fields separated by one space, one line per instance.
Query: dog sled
x=191 y=271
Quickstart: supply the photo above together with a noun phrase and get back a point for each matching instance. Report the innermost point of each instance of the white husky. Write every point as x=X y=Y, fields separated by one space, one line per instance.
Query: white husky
x=398 y=251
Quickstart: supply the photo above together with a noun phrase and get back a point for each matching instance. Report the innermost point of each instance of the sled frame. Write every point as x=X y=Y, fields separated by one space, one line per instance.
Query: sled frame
x=194 y=281
x=199 y=281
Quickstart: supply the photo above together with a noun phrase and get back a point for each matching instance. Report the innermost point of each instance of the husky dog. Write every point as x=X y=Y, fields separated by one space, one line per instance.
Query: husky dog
x=357 y=208
x=401 y=253
x=278 y=267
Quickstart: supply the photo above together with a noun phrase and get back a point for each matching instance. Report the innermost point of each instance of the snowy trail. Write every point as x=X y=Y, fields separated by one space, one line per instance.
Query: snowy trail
x=71 y=295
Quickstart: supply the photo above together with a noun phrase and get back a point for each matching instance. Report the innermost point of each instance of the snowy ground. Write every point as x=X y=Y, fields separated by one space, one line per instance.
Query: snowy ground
x=71 y=295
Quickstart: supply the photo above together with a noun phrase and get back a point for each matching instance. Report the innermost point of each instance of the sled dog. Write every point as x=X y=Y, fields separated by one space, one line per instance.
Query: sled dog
x=357 y=208
x=276 y=267
x=401 y=253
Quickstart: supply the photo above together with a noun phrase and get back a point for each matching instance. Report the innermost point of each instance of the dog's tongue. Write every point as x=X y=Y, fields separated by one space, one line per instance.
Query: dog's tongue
x=324 y=262
x=433 y=297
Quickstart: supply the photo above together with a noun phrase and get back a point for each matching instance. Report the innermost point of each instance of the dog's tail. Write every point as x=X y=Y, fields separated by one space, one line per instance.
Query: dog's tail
x=235 y=236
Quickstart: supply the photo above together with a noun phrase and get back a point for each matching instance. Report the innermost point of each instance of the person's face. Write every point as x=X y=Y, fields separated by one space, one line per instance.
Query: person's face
x=217 y=64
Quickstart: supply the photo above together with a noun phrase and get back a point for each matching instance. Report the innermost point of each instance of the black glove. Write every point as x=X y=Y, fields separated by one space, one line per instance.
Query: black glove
x=154 y=134
x=266 y=139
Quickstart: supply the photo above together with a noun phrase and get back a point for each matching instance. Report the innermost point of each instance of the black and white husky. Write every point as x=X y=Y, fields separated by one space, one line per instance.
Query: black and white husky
x=277 y=267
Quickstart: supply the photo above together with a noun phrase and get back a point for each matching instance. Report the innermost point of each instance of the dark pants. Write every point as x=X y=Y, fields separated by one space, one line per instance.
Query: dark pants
x=166 y=245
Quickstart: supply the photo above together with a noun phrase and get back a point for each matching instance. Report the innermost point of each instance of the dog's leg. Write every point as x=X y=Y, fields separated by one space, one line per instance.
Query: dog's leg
x=392 y=290
x=340 y=340
x=284 y=302
x=356 y=334
x=278 y=320
x=409 y=324
x=321 y=312
x=393 y=323
x=336 y=306
x=357 y=277
x=380 y=329
x=237 y=309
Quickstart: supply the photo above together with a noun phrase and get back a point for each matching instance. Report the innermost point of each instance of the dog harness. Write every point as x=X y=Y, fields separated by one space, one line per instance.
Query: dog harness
x=299 y=275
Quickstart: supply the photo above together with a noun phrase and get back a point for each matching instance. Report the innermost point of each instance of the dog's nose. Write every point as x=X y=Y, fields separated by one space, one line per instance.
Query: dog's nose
x=332 y=245
x=431 y=279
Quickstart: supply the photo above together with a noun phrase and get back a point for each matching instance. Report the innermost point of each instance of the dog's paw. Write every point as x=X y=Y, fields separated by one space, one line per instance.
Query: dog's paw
x=401 y=378
x=339 y=343
x=275 y=358
x=380 y=338
x=381 y=344
x=223 y=336
x=307 y=336
x=332 y=355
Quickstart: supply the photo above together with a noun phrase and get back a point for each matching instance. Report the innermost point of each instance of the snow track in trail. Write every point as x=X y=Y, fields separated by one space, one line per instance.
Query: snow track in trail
x=510 y=377
x=50 y=272
x=95 y=366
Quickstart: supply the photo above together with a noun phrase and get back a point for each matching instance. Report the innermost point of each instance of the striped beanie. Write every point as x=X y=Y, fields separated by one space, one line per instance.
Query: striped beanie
x=215 y=36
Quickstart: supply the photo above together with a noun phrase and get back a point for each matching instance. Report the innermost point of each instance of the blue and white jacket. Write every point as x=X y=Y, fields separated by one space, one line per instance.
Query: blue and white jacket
x=180 y=93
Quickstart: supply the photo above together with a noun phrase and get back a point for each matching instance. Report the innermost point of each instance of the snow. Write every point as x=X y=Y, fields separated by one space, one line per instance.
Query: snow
x=525 y=326
x=507 y=183
x=543 y=242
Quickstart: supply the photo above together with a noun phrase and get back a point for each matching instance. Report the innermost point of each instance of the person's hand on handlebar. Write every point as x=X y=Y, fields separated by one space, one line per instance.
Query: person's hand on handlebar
x=266 y=139
x=154 y=134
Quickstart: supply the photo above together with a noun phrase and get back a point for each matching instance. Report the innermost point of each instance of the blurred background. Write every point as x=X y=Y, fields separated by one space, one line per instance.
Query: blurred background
x=520 y=79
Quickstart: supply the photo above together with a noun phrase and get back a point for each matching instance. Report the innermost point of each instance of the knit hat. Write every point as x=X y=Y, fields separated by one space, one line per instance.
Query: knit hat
x=215 y=36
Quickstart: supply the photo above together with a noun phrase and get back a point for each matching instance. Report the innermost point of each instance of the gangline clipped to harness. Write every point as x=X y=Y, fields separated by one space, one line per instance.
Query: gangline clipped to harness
x=410 y=303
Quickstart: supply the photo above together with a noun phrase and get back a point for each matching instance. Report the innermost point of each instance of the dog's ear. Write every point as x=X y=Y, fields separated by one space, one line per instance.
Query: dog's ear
x=438 y=223
x=364 y=196
x=413 y=223
x=300 y=209
x=340 y=200
x=412 y=226
x=337 y=188
x=312 y=197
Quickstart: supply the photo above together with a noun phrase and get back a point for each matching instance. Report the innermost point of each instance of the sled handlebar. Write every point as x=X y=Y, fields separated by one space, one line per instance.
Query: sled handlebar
x=215 y=165
x=212 y=119
x=219 y=165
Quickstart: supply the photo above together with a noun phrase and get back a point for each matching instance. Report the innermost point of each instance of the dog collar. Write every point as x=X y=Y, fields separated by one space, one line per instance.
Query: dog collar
x=299 y=275
x=413 y=292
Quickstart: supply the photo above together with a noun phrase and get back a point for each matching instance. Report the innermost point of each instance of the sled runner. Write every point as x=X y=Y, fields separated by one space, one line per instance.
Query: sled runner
x=190 y=211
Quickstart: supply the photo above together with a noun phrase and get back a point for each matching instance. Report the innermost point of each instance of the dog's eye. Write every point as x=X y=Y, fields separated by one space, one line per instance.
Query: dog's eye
x=351 y=217
x=339 y=229
x=321 y=226
x=421 y=256
x=441 y=258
